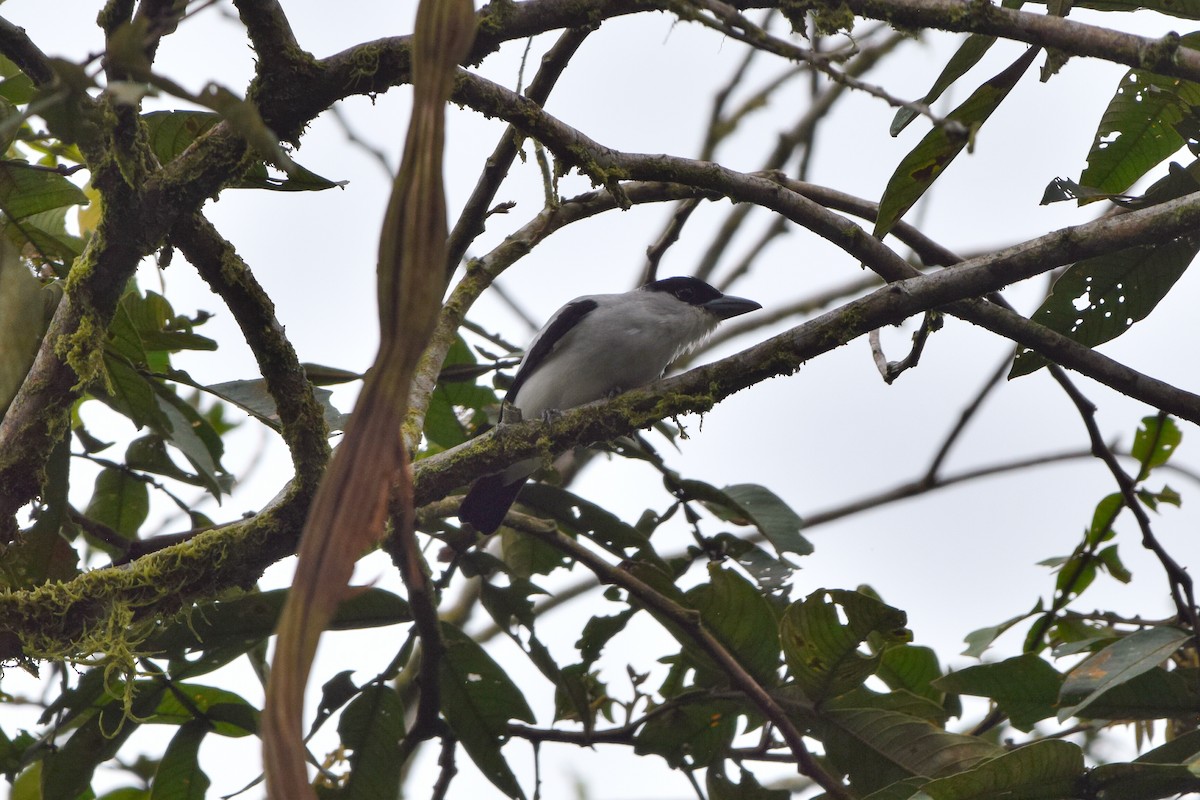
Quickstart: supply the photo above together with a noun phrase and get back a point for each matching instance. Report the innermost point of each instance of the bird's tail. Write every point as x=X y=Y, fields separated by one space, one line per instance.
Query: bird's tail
x=487 y=501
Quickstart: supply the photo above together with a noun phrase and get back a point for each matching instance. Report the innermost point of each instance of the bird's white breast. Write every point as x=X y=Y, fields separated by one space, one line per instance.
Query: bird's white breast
x=614 y=348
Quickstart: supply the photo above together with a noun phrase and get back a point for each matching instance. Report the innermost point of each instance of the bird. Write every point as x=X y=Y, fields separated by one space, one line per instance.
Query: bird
x=595 y=347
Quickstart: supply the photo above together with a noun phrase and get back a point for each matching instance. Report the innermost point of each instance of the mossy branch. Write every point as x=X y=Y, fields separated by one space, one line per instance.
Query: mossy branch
x=301 y=418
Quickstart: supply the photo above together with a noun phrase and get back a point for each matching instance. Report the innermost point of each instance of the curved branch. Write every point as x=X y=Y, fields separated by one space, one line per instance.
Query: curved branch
x=1164 y=55
x=300 y=415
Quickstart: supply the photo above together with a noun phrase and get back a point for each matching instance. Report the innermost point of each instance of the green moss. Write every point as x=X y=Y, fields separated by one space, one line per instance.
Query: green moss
x=495 y=17
x=828 y=16
x=83 y=351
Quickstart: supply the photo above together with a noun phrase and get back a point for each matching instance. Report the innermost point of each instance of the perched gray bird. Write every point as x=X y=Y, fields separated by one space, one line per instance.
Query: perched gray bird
x=595 y=347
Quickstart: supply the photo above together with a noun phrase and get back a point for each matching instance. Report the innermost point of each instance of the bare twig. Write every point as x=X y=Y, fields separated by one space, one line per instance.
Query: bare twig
x=890 y=370
x=471 y=220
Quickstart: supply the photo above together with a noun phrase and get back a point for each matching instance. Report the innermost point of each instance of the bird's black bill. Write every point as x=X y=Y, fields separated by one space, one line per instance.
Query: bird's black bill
x=728 y=306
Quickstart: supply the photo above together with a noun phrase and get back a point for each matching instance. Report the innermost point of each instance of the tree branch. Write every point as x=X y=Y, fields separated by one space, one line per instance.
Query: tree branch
x=300 y=415
x=690 y=623
x=21 y=50
x=1164 y=55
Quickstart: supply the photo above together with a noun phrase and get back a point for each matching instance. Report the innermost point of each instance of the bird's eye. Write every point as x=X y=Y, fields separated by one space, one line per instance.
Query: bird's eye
x=684 y=294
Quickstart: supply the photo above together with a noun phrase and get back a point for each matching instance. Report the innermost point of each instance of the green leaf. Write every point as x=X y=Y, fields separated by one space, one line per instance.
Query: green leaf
x=372 y=726
x=1025 y=687
x=774 y=518
x=1061 y=189
x=721 y=788
x=1111 y=559
x=453 y=398
x=877 y=748
x=1098 y=299
x=911 y=668
x=1103 y=518
x=925 y=162
x=693 y=731
x=26 y=190
x=172 y=132
x=512 y=602
x=598 y=631
x=980 y=640
x=478 y=699
x=13 y=752
x=773 y=575
x=1154 y=443
x=738 y=615
x=47 y=232
x=901 y=700
x=16 y=88
x=67 y=771
x=322 y=375
x=242 y=621
x=149 y=454
x=1045 y=770
x=129 y=393
x=527 y=556
x=189 y=431
x=1173 y=751
x=823 y=654
x=1116 y=664
x=252 y=397
x=42 y=553
x=1137 y=130
x=179 y=776
x=228 y=713
x=1139 y=781
x=969 y=53
x=751 y=504
x=900 y=790
x=1155 y=694
x=582 y=517
x=120 y=501
x=21 y=322
x=124 y=793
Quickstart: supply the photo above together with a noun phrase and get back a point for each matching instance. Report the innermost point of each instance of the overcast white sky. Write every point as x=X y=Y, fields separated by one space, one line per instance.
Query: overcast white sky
x=956 y=561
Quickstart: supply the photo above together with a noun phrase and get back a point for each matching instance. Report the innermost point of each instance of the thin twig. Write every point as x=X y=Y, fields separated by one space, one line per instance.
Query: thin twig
x=1182 y=593
x=471 y=220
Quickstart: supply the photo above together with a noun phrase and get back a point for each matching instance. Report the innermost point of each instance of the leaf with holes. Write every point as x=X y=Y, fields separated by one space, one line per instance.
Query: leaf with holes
x=1098 y=299
x=1138 y=129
